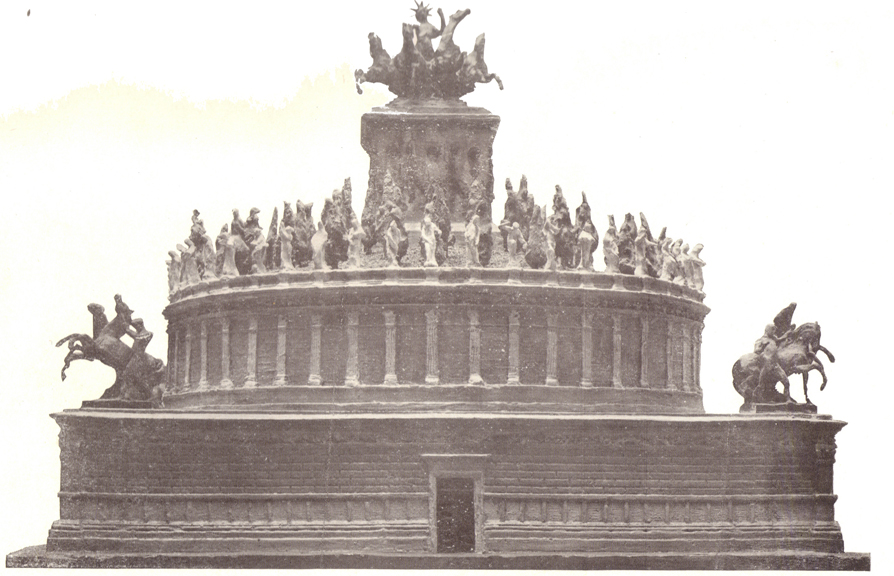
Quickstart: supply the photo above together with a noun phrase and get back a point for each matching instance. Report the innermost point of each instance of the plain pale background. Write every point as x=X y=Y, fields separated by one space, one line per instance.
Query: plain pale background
x=762 y=131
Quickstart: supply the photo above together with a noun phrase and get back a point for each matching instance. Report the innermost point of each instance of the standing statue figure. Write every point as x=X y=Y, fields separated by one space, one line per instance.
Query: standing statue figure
x=587 y=237
x=436 y=209
x=257 y=245
x=302 y=251
x=286 y=236
x=515 y=244
x=550 y=232
x=610 y=248
x=685 y=261
x=565 y=237
x=473 y=237
x=273 y=247
x=677 y=254
x=189 y=270
x=536 y=252
x=174 y=267
x=428 y=240
x=393 y=238
x=668 y=262
x=696 y=278
x=626 y=239
x=204 y=253
x=355 y=244
x=318 y=243
x=226 y=253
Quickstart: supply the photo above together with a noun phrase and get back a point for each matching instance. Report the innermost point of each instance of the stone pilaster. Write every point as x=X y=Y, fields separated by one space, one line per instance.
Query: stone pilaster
x=669 y=356
x=173 y=383
x=390 y=347
x=616 y=352
x=687 y=357
x=697 y=357
x=251 y=359
x=203 y=355
x=474 y=348
x=225 y=381
x=586 y=349
x=512 y=376
x=187 y=358
x=352 y=371
x=316 y=337
x=431 y=347
x=552 y=348
x=644 y=352
x=281 y=326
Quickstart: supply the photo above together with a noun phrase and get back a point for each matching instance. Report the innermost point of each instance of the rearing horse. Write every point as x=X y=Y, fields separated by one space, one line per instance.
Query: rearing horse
x=105 y=345
x=796 y=355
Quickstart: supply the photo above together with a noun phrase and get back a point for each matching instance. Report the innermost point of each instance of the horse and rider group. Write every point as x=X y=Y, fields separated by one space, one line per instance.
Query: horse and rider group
x=138 y=376
x=783 y=350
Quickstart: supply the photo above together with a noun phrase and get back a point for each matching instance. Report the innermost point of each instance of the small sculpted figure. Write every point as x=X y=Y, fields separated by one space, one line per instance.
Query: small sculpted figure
x=518 y=209
x=535 y=255
x=393 y=238
x=685 y=262
x=565 y=237
x=550 y=232
x=668 y=262
x=610 y=248
x=226 y=251
x=302 y=251
x=355 y=241
x=272 y=257
x=436 y=209
x=286 y=235
x=174 y=267
x=243 y=252
x=204 y=253
x=626 y=240
x=473 y=236
x=189 y=270
x=255 y=240
x=474 y=68
x=587 y=237
x=428 y=240
x=425 y=32
x=479 y=203
x=336 y=248
x=647 y=250
x=697 y=278
x=318 y=242
x=677 y=253
x=516 y=245
x=781 y=351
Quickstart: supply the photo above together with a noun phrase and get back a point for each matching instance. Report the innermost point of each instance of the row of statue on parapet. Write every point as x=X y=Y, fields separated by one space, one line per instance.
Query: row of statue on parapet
x=553 y=241
x=529 y=234
x=241 y=247
x=419 y=70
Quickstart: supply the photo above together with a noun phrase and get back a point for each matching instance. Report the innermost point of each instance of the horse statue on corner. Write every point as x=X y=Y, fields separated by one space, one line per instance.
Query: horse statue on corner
x=138 y=376
x=782 y=351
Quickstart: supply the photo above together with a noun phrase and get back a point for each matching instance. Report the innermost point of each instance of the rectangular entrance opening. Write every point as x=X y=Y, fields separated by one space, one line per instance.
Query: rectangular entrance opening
x=455 y=511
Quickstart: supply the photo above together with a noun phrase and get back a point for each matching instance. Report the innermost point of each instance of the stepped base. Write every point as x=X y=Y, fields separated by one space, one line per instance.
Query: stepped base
x=38 y=557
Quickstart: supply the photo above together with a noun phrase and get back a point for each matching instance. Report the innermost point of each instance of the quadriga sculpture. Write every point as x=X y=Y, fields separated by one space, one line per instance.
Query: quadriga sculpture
x=783 y=350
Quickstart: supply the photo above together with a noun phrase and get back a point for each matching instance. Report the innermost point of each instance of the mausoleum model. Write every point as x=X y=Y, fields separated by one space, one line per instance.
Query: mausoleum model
x=424 y=384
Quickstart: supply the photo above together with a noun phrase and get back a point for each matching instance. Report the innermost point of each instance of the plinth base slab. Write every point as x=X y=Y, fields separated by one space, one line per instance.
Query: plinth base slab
x=38 y=557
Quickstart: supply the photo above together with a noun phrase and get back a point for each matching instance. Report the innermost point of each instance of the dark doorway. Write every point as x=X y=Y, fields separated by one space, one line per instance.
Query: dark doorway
x=456 y=514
